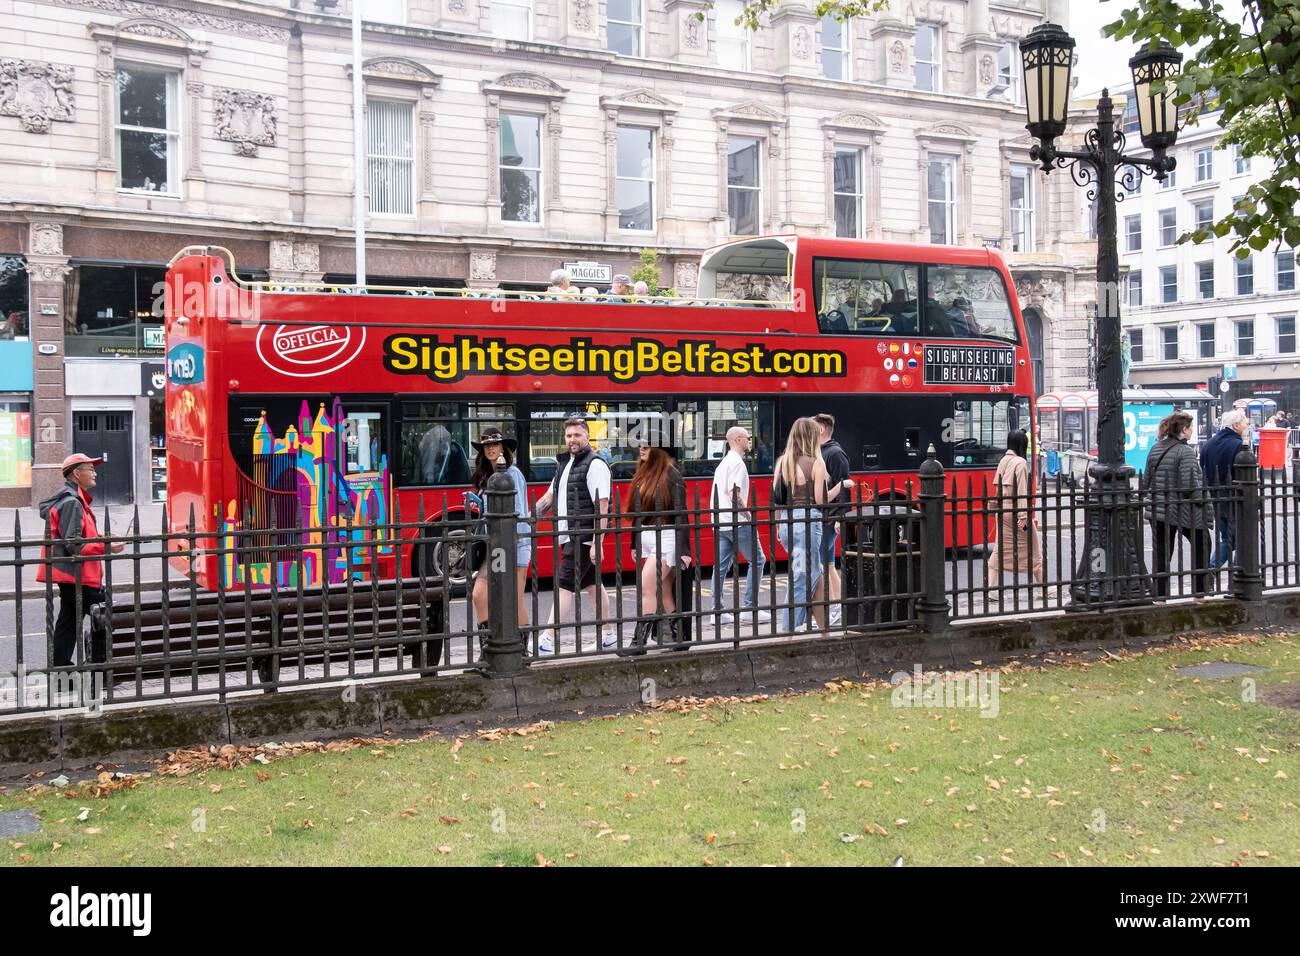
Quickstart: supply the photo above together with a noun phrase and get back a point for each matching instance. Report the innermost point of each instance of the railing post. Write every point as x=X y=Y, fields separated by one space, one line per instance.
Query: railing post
x=933 y=605
x=1247 y=579
x=504 y=654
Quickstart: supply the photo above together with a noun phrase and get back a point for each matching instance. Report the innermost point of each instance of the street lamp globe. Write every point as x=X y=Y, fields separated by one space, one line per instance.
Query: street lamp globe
x=1155 y=74
x=1047 y=55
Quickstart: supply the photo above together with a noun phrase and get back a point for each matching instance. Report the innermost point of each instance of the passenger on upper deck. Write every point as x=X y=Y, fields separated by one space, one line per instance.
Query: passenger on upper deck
x=561 y=283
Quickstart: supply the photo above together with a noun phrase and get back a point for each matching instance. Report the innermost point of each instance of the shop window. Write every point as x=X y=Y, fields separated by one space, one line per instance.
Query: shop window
x=114 y=310
x=13 y=299
x=15 y=441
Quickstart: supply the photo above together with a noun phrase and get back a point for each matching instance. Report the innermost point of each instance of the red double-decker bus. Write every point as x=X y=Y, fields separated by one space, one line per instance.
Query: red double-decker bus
x=331 y=407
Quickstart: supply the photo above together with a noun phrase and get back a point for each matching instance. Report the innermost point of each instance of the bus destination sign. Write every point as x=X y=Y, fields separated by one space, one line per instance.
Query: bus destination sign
x=969 y=365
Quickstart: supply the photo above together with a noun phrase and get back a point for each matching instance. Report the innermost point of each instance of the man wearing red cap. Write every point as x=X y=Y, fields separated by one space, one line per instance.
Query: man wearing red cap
x=69 y=521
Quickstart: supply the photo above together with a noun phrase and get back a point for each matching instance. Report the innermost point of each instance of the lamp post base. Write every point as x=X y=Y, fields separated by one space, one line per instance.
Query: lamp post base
x=1112 y=568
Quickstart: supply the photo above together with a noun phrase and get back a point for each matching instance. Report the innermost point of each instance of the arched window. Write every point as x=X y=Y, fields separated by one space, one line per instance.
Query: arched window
x=1034 y=329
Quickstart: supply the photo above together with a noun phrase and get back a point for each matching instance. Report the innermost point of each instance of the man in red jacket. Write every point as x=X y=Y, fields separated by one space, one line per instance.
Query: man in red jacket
x=69 y=521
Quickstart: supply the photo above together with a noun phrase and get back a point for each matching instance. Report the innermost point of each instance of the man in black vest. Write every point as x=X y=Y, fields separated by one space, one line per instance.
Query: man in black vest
x=580 y=493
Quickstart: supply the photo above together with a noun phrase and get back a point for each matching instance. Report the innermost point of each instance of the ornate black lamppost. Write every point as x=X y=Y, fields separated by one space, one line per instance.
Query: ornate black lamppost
x=1111 y=568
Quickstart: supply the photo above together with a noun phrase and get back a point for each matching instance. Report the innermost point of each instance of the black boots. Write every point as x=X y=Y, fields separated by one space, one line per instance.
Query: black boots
x=644 y=631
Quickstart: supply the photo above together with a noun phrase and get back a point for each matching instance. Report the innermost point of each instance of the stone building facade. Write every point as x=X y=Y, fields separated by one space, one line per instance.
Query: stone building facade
x=132 y=128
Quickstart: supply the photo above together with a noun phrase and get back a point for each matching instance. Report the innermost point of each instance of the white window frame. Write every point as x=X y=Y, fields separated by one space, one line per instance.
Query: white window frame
x=1165 y=343
x=936 y=64
x=376 y=161
x=949 y=202
x=1130 y=235
x=173 y=132
x=1278 y=271
x=1196 y=213
x=859 y=197
x=652 y=179
x=1134 y=284
x=1240 y=163
x=640 y=31
x=845 y=49
x=1236 y=337
x=519 y=5
x=1278 y=333
x=1248 y=272
x=1171 y=180
x=1023 y=218
x=540 y=169
x=1011 y=76
x=761 y=143
x=726 y=31
x=1163 y=272
x=1213 y=343
x=1201 y=279
x=1205 y=170
x=1161 y=227
x=1137 y=343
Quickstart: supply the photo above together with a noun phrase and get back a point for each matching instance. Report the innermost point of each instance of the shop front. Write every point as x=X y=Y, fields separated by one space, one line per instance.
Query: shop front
x=15 y=383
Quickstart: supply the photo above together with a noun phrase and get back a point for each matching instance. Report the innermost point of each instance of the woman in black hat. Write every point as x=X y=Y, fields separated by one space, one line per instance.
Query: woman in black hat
x=491 y=445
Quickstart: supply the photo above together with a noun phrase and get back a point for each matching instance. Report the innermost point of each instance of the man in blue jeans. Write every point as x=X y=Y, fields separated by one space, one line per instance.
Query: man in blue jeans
x=735 y=530
x=837 y=499
x=1217 y=456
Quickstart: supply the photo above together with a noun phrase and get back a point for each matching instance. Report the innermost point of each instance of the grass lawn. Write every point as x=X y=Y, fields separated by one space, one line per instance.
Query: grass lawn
x=1113 y=762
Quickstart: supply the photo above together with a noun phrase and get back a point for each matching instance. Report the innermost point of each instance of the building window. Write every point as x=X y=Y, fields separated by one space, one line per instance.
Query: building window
x=1168 y=227
x=511 y=19
x=928 y=60
x=114 y=310
x=941 y=199
x=1204 y=215
x=1132 y=122
x=1205 y=280
x=521 y=167
x=635 y=178
x=1245 y=337
x=1286 y=271
x=1245 y=276
x=1009 y=71
x=624 y=26
x=1168 y=283
x=1135 y=342
x=744 y=185
x=390 y=157
x=1134 y=297
x=1286 y=335
x=1204 y=165
x=1241 y=207
x=848 y=192
x=1022 y=209
x=384 y=11
x=1240 y=163
x=1169 y=343
x=837 y=50
x=1171 y=180
x=148 y=130
x=13 y=300
x=1133 y=233
x=732 y=42
x=1205 y=335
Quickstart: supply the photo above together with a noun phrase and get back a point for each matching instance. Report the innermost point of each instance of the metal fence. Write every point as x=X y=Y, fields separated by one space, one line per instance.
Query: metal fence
x=427 y=597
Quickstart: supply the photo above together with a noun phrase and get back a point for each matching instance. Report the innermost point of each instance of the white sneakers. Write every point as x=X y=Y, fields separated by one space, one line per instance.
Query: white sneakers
x=608 y=638
x=546 y=641
x=747 y=616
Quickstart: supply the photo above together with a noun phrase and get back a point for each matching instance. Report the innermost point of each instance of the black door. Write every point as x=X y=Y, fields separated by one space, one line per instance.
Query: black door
x=107 y=435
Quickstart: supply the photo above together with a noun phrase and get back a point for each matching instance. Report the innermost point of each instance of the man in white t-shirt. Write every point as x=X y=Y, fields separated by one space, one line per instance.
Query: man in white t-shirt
x=580 y=493
x=735 y=528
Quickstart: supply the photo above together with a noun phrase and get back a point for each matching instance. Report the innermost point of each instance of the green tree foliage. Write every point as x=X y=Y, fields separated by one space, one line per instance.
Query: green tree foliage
x=648 y=270
x=1253 y=70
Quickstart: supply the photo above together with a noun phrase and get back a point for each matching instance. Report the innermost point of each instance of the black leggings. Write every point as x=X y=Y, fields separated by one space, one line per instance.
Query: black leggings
x=1165 y=543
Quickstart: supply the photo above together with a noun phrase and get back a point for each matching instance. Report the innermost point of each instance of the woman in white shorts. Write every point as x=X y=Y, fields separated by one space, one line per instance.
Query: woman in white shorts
x=656 y=503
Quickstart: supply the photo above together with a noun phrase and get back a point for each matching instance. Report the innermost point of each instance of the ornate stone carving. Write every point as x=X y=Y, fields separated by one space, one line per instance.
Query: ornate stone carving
x=929 y=11
x=46 y=239
x=36 y=92
x=1008 y=27
x=690 y=32
x=801 y=43
x=686 y=276
x=855 y=119
x=582 y=15
x=400 y=68
x=289 y=256
x=244 y=118
x=456 y=6
x=179 y=15
x=148 y=27
x=986 y=70
x=1043 y=292
x=897 y=57
x=483 y=265
x=749 y=111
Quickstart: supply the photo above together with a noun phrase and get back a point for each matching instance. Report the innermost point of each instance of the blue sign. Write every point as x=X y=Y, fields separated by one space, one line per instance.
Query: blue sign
x=185 y=364
x=1141 y=426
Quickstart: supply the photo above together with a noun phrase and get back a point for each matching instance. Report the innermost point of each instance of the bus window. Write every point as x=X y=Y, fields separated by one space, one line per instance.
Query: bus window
x=436 y=436
x=968 y=302
x=871 y=298
x=703 y=437
x=979 y=429
x=361 y=437
x=616 y=432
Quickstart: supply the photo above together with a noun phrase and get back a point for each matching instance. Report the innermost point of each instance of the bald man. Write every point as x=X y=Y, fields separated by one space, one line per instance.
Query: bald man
x=735 y=529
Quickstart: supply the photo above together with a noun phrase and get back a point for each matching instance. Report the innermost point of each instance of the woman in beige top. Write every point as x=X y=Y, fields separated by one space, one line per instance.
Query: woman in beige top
x=1015 y=547
x=800 y=484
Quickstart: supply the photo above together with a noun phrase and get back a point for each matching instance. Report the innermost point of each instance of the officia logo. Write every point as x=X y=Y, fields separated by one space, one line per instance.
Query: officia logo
x=77 y=909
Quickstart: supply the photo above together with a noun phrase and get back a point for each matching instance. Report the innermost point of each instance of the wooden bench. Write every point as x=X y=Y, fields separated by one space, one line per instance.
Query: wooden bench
x=191 y=634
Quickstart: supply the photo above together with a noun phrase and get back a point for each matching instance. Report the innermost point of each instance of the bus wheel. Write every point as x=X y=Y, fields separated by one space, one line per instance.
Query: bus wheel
x=444 y=557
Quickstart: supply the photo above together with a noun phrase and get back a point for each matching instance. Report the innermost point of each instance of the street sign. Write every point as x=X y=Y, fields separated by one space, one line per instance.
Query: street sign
x=1224 y=387
x=580 y=272
x=1229 y=370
